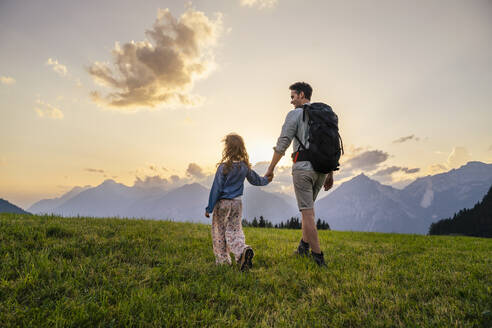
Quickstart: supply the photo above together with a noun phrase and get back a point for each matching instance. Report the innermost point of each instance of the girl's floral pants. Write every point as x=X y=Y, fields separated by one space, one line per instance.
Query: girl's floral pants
x=227 y=230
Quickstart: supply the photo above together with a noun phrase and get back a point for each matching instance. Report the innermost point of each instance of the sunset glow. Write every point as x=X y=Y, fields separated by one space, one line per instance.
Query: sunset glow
x=139 y=92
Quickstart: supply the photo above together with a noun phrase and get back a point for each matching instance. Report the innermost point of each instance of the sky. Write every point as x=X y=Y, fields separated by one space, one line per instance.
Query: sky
x=143 y=92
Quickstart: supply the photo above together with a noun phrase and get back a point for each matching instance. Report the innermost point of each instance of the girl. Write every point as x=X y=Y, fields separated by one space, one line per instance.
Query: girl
x=225 y=203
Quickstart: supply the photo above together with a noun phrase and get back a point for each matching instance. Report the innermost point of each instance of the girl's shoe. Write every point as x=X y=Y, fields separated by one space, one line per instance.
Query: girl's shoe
x=245 y=261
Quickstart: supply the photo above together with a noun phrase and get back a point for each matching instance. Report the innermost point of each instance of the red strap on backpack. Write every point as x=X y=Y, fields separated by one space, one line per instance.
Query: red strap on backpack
x=294 y=157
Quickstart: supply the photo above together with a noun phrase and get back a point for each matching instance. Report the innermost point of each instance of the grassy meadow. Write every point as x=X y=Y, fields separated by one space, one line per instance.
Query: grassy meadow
x=86 y=272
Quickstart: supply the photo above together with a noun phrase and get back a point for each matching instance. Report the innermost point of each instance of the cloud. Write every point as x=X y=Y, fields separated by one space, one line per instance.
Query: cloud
x=170 y=183
x=282 y=181
x=94 y=170
x=7 y=80
x=63 y=71
x=403 y=139
x=367 y=161
x=428 y=196
x=437 y=168
x=392 y=169
x=147 y=74
x=395 y=175
x=175 y=179
x=57 y=67
x=46 y=110
x=261 y=4
x=195 y=171
x=458 y=157
x=154 y=182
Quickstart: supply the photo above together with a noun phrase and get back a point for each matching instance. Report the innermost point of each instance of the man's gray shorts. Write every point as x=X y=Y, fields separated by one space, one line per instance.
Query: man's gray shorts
x=307 y=185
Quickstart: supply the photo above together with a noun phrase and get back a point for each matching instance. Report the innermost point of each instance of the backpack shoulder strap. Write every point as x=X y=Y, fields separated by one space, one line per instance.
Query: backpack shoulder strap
x=305 y=108
x=300 y=144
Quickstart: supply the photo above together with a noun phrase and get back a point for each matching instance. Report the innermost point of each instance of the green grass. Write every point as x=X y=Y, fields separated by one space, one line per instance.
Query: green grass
x=86 y=272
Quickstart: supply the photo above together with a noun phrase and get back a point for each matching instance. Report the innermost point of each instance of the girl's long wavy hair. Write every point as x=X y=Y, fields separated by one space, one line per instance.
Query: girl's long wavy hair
x=234 y=150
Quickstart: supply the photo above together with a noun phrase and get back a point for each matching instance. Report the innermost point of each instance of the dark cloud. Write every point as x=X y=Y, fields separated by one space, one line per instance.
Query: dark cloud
x=195 y=171
x=163 y=70
x=174 y=178
x=387 y=171
x=95 y=170
x=366 y=161
x=152 y=182
x=403 y=139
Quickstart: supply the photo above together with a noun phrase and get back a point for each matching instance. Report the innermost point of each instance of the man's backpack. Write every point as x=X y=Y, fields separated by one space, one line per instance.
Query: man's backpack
x=325 y=143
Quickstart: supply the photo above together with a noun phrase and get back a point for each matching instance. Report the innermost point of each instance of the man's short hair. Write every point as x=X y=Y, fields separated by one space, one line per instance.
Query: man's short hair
x=304 y=87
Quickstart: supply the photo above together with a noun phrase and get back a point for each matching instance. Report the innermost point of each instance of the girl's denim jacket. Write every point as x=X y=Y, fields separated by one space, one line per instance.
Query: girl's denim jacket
x=231 y=185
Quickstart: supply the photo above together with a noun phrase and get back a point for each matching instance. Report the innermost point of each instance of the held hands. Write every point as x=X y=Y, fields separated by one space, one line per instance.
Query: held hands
x=269 y=174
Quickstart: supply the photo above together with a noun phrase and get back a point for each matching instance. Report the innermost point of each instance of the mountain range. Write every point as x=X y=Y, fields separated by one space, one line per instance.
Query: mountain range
x=360 y=204
x=186 y=203
x=363 y=204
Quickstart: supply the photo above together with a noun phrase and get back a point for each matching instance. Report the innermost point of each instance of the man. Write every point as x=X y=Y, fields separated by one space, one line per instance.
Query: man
x=307 y=182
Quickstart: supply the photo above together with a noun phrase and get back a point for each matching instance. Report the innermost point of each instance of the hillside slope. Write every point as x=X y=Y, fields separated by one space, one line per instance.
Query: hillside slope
x=476 y=221
x=115 y=272
x=7 y=207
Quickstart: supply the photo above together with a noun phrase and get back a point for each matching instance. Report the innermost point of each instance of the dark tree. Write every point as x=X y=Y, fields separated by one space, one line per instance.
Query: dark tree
x=476 y=221
x=261 y=223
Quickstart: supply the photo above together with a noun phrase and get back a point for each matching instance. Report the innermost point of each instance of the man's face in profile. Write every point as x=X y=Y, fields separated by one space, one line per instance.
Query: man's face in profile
x=296 y=98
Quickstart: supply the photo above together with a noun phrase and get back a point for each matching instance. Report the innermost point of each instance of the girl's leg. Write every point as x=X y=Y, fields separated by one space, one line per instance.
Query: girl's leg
x=234 y=230
x=218 y=233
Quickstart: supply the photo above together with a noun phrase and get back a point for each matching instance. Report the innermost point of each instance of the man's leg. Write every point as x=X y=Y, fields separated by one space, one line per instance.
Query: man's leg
x=303 y=187
x=309 y=231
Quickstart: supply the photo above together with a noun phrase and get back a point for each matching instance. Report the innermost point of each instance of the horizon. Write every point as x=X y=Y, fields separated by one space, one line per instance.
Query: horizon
x=411 y=86
x=206 y=183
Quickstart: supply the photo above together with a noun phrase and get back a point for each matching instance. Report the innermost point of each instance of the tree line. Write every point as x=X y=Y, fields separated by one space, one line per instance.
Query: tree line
x=292 y=223
x=476 y=221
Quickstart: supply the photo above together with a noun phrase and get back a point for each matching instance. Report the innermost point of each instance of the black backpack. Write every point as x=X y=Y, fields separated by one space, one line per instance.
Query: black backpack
x=325 y=143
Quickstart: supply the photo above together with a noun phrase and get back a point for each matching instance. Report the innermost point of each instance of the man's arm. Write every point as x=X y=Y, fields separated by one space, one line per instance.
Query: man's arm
x=289 y=130
x=276 y=157
x=329 y=181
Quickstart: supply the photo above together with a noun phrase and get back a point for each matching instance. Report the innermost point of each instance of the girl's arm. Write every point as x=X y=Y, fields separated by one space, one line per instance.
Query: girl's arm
x=216 y=190
x=255 y=179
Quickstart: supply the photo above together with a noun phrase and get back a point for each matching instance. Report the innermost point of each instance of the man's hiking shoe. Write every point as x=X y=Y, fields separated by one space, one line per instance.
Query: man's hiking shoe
x=245 y=261
x=302 y=249
x=319 y=258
